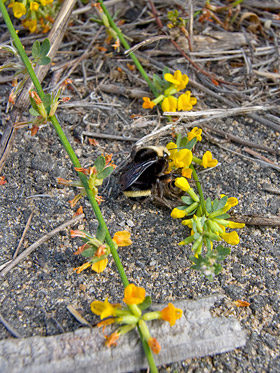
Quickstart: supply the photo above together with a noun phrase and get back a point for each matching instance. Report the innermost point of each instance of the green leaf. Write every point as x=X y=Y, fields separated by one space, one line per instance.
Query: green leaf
x=191 y=144
x=208 y=205
x=222 y=216
x=187 y=200
x=184 y=142
x=165 y=71
x=100 y=163
x=36 y=49
x=44 y=61
x=88 y=252
x=34 y=112
x=178 y=140
x=47 y=100
x=222 y=202
x=215 y=204
x=158 y=83
x=45 y=48
x=105 y=173
x=145 y=304
x=100 y=233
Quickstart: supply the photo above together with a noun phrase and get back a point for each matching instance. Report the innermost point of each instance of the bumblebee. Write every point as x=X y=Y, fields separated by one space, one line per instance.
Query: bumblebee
x=146 y=174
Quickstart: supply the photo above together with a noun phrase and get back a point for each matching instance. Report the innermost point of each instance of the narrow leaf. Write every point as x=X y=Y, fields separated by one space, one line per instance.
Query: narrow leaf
x=100 y=163
x=45 y=48
x=36 y=49
x=105 y=173
x=100 y=233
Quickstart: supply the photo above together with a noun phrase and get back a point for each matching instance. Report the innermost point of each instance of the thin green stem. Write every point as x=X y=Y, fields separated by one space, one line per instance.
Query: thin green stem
x=199 y=189
x=65 y=143
x=126 y=45
x=148 y=353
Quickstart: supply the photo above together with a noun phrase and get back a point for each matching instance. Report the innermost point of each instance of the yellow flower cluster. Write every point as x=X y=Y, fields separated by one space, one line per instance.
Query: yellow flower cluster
x=178 y=82
x=39 y=15
x=130 y=317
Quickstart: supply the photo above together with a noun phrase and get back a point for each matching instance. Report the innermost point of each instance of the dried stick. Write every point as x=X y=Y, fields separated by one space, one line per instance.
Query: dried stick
x=43 y=239
x=23 y=235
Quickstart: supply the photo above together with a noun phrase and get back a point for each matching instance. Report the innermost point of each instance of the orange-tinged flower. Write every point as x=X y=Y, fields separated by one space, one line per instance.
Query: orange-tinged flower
x=77 y=233
x=177 y=213
x=100 y=266
x=171 y=314
x=169 y=104
x=147 y=104
x=208 y=161
x=195 y=132
x=2 y=180
x=34 y=5
x=122 y=238
x=106 y=322
x=82 y=267
x=111 y=340
x=182 y=183
x=231 y=238
x=103 y=309
x=19 y=9
x=154 y=345
x=187 y=172
x=186 y=102
x=32 y=26
x=179 y=80
x=134 y=294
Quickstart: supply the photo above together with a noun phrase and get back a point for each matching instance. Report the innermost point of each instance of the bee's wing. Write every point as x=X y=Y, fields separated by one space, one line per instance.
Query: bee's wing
x=133 y=171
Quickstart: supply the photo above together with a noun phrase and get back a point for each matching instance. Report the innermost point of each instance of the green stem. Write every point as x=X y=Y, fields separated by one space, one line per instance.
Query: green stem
x=148 y=353
x=64 y=142
x=199 y=189
x=126 y=45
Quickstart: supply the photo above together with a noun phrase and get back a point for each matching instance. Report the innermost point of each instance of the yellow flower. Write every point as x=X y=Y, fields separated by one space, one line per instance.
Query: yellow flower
x=186 y=102
x=122 y=238
x=177 y=213
x=233 y=224
x=179 y=80
x=46 y=2
x=19 y=9
x=169 y=104
x=182 y=183
x=103 y=309
x=172 y=148
x=171 y=314
x=208 y=161
x=134 y=294
x=182 y=158
x=32 y=25
x=231 y=238
x=188 y=223
x=147 y=104
x=195 y=132
x=34 y=6
x=187 y=172
x=100 y=266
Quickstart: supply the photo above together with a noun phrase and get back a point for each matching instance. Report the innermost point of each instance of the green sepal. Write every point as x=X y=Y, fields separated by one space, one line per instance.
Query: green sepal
x=34 y=112
x=47 y=101
x=88 y=253
x=223 y=216
x=145 y=304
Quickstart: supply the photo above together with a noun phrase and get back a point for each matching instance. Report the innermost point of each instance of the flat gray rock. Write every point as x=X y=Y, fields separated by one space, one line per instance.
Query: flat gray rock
x=196 y=334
